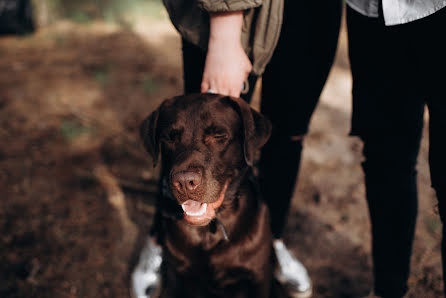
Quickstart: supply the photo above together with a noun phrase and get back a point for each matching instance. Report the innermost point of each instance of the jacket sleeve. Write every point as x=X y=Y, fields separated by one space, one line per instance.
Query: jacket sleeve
x=228 y=5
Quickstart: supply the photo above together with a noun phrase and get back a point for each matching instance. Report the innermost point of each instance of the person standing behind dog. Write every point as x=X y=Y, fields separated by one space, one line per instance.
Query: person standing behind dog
x=292 y=45
x=397 y=54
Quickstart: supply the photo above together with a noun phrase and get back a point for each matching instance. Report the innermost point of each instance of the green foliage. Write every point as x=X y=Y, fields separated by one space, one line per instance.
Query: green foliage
x=149 y=85
x=71 y=129
x=111 y=11
x=59 y=39
x=433 y=224
x=80 y=17
x=102 y=76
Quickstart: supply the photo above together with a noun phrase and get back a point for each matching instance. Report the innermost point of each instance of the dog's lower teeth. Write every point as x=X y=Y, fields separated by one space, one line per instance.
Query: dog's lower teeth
x=199 y=213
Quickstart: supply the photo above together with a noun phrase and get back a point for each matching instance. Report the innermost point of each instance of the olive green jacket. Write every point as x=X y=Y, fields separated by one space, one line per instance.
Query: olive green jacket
x=261 y=24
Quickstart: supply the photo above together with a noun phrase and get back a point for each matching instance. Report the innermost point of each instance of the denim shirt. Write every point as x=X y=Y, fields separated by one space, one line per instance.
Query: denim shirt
x=397 y=11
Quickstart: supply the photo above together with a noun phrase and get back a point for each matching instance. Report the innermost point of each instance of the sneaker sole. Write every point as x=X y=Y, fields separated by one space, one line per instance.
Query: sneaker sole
x=307 y=294
x=156 y=294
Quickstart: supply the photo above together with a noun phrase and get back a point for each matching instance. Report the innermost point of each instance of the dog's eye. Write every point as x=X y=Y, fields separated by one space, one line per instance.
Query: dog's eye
x=215 y=134
x=220 y=136
x=173 y=135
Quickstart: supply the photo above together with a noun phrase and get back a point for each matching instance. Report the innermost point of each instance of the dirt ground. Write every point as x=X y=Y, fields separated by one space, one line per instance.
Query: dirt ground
x=71 y=100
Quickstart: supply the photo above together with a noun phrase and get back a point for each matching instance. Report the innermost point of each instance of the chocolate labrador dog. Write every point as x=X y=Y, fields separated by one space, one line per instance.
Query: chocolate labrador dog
x=213 y=227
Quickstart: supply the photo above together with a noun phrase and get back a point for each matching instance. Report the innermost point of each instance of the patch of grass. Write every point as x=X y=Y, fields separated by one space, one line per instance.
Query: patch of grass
x=149 y=85
x=433 y=224
x=102 y=76
x=71 y=130
x=59 y=39
x=109 y=16
x=80 y=17
x=123 y=13
x=148 y=9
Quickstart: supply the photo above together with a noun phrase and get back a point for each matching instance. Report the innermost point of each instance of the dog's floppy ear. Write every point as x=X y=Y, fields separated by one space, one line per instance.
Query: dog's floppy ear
x=148 y=132
x=256 y=129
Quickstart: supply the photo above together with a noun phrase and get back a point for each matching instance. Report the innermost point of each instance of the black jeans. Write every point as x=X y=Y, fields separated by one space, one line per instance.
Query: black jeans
x=397 y=70
x=291 y=86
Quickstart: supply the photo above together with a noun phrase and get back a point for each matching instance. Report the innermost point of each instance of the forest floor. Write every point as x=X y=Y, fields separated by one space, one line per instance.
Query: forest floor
x=71 y=100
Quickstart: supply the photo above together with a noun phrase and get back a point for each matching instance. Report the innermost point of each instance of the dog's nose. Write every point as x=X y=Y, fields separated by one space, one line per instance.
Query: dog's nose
x=186 y=181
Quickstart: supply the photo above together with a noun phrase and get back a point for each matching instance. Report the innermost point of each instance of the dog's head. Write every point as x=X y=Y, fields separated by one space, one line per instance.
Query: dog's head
x=205 y=142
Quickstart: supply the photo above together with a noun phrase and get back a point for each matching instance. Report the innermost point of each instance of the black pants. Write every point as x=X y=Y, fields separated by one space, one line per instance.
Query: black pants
x=397 y=70
x=291 y=86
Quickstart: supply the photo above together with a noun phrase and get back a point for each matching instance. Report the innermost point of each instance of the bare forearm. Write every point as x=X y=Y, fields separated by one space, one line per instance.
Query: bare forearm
x=227 y=65
x=226 y=26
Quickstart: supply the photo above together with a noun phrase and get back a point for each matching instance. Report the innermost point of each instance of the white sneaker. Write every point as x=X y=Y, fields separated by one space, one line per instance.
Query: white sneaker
x=146 y=278
x=291 y=273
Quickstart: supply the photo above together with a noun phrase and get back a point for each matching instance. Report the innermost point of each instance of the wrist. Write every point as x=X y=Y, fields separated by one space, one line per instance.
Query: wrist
x=226 y=27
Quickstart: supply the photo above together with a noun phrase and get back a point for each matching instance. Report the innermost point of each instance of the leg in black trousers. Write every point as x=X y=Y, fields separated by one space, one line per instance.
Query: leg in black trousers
x=392 y=81
x=388 y=116
x=291 y=86
x=437 y=160
x=432 y=49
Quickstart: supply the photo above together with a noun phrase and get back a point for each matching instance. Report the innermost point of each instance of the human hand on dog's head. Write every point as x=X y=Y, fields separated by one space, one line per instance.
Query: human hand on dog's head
x=227 y=66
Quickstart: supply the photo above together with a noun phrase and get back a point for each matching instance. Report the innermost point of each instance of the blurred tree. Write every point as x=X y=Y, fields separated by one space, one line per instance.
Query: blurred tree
x=45 y=11
x=16 y=17
x=84 y=11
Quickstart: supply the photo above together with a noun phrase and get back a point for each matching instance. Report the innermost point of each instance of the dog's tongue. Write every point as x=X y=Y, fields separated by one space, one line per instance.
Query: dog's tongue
x=191 y=206
x=197 y=213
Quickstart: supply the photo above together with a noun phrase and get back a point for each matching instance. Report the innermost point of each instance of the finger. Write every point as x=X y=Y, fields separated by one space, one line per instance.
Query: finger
x=204 y=86
x=220 y=85
x=234 y=93
x=236 y=88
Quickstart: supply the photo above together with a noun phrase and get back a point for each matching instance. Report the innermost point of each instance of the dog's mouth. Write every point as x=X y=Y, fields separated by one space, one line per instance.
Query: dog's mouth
x=200 y=214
